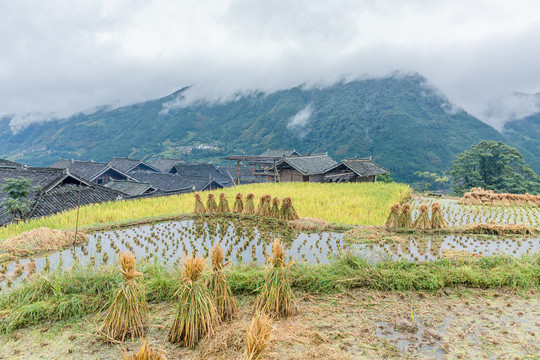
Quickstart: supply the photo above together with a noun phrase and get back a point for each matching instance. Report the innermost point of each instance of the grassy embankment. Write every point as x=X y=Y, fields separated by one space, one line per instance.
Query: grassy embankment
x=82 y=291
x=355 y=203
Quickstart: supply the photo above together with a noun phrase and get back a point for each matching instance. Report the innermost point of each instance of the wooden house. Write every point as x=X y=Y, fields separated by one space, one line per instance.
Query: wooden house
x=96 y=172
x=58 y=191
x=355 y=170
x=307 y=168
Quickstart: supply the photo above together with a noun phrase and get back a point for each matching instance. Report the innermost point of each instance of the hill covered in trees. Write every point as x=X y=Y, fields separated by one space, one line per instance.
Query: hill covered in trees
x=401 y=122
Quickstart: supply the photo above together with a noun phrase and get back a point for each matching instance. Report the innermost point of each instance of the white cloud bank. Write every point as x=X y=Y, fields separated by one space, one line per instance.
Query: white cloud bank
x=59 y=57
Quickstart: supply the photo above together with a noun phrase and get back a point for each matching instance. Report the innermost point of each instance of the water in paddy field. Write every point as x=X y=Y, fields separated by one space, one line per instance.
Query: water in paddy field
x=169 y=242
x=426 y=248
x=457 y=215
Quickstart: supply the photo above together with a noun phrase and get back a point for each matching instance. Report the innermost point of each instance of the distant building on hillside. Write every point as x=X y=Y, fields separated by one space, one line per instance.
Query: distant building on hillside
x=355 y=170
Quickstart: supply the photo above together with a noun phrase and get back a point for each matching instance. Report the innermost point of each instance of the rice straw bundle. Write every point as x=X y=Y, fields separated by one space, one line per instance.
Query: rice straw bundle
x=197 y=314
x=219 y=287
x=258 y=336
x=145 y=353
x=437 y=219
x=405 y=217
x=223 y=204
x=287 y=210
x=249 y=209
x=199 y=206
x=274 y=211
x=211 y=206
x=264 y=207
x=423 y=222
x=276 y=298
x=128 y=314
x=238 y=206
x=393 y=218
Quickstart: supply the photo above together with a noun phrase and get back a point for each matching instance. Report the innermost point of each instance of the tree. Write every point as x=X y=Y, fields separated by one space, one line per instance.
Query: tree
x=431 y=178
x=18 y=201
x=493 y=165
x=386 y=178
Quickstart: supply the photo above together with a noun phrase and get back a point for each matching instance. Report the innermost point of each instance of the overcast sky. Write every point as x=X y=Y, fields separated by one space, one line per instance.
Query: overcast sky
x=58 y=57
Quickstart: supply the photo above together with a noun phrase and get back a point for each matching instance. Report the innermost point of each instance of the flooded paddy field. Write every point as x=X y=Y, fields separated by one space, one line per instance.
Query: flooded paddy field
x=169 y=242
x=458 y=215
x=430 y=248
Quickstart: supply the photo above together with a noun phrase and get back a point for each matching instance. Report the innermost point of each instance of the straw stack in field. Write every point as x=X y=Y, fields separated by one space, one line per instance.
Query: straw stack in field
x=288 y=211
x=128 y=314
x=437 y=219
x=422 y=222
x=479 y=196
x=258 y=336
x=238 y=206
x=405 y=217
x=249 y=209
x=274 y=211
x=211 y=205
x=197 y=314
x=145 y=352
x=276 y=298
x=223 y=204
x=199 y=206
x=393 y=218
x=264 y=208
x=218 y=286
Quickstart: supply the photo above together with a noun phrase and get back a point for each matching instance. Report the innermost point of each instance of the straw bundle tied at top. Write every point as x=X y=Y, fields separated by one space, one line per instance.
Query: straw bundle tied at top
x=127 y=266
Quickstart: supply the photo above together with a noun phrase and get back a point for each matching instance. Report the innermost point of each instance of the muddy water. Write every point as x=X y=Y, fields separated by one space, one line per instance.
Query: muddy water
x=169 y=241
x=423 y=249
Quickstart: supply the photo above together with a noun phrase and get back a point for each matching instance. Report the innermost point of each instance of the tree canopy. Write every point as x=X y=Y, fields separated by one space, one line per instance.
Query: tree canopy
x=18 y=201
x=493 y=165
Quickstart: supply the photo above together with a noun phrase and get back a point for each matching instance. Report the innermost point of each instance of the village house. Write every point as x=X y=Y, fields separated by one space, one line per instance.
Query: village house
x=355 y=170
x=95 y=172
x=305 y=168
x=59 y=190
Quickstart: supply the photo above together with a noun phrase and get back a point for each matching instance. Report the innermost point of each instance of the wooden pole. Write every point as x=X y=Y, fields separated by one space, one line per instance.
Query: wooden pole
x=78 y=206
x=238 y=172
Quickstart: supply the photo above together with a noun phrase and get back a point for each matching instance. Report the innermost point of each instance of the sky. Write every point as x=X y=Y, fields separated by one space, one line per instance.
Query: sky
x=60 y=57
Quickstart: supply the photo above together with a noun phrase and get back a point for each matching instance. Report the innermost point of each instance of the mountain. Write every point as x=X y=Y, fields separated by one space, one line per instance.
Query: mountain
x=525 y=135
x=403 y=123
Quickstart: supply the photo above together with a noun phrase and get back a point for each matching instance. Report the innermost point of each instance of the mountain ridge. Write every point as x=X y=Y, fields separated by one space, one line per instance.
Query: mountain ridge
x=402 y=122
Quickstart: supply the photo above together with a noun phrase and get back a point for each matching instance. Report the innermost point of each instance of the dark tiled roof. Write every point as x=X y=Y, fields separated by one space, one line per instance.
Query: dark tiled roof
x=169 y=182
x=127 y=164
x=9 y=163
x=165 y=165
x=363 y=167
x=45 y=178
x=130 y=188
x=205 y=171
x=310 y=164
x=85 y=169
x=279 y=153
x=65 y=197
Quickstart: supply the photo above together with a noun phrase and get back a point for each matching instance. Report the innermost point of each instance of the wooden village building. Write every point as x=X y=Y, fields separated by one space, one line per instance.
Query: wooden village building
x=95 y=172
x=354 y=170
x=58 y=190
x=306 y=168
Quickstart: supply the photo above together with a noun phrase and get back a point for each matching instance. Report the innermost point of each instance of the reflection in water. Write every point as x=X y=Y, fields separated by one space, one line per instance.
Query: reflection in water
x=169 y=242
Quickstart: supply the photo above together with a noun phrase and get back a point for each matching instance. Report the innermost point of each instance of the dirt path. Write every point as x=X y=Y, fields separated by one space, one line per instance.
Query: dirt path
x=450 y=324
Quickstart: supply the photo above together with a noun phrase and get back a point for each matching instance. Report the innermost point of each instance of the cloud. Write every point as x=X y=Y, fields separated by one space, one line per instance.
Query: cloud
x=61 y=57
x=299 y=122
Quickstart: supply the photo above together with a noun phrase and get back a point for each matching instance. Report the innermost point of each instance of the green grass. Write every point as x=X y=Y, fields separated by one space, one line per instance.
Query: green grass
x=352 y=203
x=82 y=291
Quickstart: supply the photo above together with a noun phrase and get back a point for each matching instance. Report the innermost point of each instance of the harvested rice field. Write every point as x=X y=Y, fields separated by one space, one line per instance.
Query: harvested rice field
x=359 y=324
x=430 y=248
x=168 y=242
x=456 y=214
